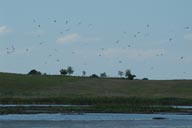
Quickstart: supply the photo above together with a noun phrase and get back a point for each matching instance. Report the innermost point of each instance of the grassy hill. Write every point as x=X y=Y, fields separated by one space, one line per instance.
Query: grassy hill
x=100 y=94
x=45 y=88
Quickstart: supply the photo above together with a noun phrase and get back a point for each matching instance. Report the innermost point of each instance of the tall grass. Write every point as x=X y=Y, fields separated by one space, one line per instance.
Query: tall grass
x=25 y=89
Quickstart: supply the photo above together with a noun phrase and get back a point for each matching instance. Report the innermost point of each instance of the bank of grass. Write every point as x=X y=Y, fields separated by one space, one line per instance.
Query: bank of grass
x=131 y=101
x=90 y=109
x=103 y=94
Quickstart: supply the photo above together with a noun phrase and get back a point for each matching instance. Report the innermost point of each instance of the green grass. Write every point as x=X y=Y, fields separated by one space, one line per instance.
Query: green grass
x=90 y=109
x=16 y=88
x=102 y=94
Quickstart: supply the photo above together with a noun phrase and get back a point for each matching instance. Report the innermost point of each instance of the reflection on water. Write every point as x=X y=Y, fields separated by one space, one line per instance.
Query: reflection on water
x=92 y=116
x=93 y=120
x=39 y=105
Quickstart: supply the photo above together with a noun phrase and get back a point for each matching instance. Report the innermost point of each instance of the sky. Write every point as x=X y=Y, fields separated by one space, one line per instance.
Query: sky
x=152 y=38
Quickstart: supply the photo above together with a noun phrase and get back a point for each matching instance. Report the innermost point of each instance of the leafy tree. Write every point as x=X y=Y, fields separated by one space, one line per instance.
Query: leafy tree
x=63 y=72
x=129 y=75
x=103 y=74
x=84 y=73
x=120 y=73
x=34 y=72
x=70 y=70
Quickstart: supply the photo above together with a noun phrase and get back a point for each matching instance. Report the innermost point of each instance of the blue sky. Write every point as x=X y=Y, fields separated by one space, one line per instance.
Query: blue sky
x=153 y=38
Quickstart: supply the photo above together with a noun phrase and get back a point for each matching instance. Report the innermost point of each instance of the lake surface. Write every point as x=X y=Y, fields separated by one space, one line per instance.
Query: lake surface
x=39 y=105
x=94 y=120
x=69 y=105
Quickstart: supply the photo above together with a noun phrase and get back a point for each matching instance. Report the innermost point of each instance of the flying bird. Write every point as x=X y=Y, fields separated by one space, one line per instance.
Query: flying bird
x=138 y=32
x=117 y=41
x=187 y=27
x=41 y=43
x=66 y=22
x=79 y=23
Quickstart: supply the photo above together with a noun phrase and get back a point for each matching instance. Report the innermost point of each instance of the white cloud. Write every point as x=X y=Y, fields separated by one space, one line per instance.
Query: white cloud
x=188 y=37
x=74 y=37
x=4 y=30
x=135 y=54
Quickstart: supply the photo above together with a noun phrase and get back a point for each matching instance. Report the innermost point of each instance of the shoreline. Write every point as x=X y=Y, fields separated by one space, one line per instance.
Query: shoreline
x=78 y=109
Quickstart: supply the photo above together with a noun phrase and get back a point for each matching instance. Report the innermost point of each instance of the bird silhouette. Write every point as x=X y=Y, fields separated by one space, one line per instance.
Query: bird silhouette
x=187 y=27
x=66 y=22
x=117 y=41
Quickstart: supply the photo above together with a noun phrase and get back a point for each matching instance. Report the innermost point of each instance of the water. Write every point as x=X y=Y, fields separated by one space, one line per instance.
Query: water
x=40 y=105
x=183 y=107
x=94 y=120
x=68 y=105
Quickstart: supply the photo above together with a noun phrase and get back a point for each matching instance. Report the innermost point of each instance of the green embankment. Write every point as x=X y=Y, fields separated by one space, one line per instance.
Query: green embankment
x=102 y=94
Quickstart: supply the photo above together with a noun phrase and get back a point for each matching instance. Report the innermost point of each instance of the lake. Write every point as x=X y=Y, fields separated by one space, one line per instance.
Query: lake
x=95 y=120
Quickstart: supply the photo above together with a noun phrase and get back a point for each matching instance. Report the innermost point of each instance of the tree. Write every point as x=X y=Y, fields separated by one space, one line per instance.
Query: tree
x=63 y=71
x=34 y=72
x=84 y=73
x=70 y=70
x=120 y=73
x=103 y=74
x=129 y=75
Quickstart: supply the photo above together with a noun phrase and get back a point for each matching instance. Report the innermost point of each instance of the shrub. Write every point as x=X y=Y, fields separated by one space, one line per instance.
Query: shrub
x=34 y=72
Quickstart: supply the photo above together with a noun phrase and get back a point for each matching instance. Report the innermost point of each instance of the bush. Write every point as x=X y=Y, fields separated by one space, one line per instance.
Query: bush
x=34 y=72
x=63 y=72
x=94 y=76
x=103 y=75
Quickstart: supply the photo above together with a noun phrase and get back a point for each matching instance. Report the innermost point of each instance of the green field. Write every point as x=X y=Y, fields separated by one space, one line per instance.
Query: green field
x=41 y=89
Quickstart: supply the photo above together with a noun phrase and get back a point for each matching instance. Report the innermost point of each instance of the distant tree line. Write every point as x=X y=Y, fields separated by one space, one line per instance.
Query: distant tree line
x=127 y=74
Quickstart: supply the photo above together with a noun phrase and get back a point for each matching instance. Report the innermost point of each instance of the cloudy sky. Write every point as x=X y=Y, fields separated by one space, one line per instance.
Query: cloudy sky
x=153 y=38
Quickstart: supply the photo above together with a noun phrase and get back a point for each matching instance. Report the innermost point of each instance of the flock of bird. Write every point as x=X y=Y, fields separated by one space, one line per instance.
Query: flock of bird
x=11 y=50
